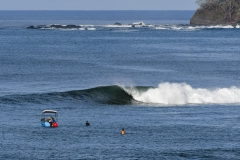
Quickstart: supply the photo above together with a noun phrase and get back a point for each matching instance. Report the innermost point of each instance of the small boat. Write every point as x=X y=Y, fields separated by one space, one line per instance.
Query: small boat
x=49 y=118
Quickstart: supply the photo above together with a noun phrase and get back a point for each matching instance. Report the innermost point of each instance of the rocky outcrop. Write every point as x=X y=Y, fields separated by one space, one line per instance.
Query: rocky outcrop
x=38 y=27
x=55 y=26
x=118 y=24
x=218 y=13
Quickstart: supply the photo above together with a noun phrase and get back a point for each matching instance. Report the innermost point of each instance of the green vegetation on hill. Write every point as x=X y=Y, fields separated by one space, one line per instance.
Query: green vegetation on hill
x=215 y=12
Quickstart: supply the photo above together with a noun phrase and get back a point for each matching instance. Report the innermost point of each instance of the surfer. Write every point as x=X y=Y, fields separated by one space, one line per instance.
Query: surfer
x=87 y=123
x=123 y=131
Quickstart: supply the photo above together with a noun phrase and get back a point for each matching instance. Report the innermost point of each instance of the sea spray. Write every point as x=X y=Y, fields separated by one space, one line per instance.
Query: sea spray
x=182 y=93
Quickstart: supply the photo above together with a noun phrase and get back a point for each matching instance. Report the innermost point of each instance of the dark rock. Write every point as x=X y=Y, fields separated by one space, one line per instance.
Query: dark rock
x=38 y=27
x=31 y=27
x=118 y=24
x=72 y=26
x=218 y=13
x=56 y=26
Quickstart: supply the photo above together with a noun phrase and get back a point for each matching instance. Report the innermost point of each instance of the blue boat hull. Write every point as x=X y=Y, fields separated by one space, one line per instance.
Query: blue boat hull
x=45 y=124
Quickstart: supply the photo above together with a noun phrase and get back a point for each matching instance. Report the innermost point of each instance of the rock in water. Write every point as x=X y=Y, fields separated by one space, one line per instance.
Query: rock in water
x=118 y=24
x=217 y=12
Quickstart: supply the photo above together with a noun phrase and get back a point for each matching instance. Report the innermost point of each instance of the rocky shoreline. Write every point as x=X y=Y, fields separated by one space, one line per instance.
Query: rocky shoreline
x=218 y=13
x=57 y=26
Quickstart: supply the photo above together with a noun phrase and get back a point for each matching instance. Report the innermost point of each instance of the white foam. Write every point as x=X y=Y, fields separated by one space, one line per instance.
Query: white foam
x=46 y=28
x=221 y=27
x=192 y=28
x=91 y=29
x=181 y=94
x=85 y=25
x=117 y=26
x=68 y=29
x=139 y=23
x=161 y=28
x=174 y=27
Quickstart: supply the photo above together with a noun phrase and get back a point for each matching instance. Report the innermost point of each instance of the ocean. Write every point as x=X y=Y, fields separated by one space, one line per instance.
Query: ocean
x=174 y=88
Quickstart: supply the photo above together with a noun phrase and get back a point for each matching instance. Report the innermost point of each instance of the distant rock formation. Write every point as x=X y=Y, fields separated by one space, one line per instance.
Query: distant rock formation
x=118 y=24
x=57 y=26
x=38 y=27
x=217 y=12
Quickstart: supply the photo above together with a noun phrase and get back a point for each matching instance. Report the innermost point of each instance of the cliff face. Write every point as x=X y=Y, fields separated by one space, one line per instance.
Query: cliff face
x=225 y=13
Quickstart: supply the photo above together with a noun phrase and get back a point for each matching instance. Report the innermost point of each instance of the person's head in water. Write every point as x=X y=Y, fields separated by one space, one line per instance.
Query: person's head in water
x=87 y=123
x=123 y=131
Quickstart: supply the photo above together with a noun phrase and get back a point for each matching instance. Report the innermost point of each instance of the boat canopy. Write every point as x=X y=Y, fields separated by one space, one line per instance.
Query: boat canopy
x=49 y=111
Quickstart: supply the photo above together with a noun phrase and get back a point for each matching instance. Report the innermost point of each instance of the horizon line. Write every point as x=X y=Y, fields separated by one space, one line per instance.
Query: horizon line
x=92 y=10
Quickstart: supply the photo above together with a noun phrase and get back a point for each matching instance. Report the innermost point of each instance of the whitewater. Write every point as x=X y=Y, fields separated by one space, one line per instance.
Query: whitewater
x=183 y=94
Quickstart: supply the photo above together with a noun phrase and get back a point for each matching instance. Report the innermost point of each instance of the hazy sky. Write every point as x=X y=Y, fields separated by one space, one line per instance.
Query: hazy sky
x=98 y=5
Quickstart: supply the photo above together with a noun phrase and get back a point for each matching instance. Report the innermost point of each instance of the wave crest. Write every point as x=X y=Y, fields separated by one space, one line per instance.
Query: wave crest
x=182 y=93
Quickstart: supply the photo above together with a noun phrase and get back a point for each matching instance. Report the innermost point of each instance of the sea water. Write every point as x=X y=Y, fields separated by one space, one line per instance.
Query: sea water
x=173 y=87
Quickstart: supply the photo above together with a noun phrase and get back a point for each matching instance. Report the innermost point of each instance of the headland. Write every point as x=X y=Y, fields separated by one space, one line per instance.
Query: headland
x=217 y=12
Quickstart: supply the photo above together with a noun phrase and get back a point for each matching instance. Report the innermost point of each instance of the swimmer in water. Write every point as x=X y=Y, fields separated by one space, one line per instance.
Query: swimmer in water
x=123 y=131
x=87 y=123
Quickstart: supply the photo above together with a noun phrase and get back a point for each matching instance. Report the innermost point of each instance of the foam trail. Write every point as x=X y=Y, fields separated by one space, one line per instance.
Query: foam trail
x=181 y=93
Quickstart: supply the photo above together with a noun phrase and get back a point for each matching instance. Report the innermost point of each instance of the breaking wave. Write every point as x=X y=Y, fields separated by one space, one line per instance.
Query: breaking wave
x=136 y=25
x=182 y=94
x=166 y=94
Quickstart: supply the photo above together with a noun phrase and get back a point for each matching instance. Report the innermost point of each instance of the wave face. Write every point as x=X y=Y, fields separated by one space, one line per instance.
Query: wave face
x=102 y=95
x=166 y=94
